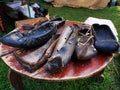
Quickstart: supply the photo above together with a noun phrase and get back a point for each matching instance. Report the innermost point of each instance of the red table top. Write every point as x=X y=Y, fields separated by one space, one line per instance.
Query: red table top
x=74 y=70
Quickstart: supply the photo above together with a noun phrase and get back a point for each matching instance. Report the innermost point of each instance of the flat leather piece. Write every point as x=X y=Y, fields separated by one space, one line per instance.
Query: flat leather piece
x=74 y=69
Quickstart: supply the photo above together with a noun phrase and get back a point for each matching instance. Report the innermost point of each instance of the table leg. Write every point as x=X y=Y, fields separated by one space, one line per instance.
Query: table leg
x=15 y=80
x=99 y=75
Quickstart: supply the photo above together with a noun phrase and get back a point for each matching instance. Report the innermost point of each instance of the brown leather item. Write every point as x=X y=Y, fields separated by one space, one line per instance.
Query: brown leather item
x=33 y=21
x=86 y=50
x=34 y=58
x=91 y=4
x=85 y=44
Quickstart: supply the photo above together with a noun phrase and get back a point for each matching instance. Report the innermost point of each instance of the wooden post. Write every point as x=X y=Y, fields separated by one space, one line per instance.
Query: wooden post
x=2 y=22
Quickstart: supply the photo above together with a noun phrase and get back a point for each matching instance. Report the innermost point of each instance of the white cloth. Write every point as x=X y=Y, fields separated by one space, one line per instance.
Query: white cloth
x=48 y=0
x=24 y=10
x=93 y=20
x=14 y=5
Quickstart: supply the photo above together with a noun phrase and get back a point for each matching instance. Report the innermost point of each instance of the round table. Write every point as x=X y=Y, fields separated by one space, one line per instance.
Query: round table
x=74 y=70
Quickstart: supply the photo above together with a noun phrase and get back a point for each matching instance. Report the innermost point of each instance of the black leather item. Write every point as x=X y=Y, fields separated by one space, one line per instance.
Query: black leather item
x=107 y=46
x=103 y=32
x=33 y=38
x=105 y=40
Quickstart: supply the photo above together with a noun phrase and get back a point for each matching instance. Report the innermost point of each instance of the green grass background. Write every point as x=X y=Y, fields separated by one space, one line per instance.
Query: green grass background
x=112 y=79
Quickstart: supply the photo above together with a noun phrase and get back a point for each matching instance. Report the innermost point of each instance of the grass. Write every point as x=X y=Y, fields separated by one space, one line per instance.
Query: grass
x=112 y=79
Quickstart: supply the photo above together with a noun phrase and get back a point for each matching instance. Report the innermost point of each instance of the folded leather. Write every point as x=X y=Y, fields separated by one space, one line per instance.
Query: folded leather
x=62 y=53
x=33 y=59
